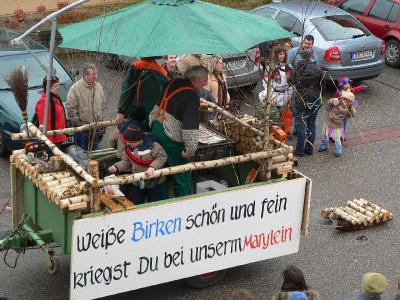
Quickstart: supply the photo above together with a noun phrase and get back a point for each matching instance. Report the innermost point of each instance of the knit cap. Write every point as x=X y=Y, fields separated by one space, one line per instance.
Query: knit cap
x=349 y=96
x=374 y=284
x=343 y=80
x=298 y=296
x=133 y=133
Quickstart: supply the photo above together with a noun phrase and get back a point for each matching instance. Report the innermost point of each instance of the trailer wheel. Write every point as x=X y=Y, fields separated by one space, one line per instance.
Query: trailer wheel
x=204 y=280
x=54 y=268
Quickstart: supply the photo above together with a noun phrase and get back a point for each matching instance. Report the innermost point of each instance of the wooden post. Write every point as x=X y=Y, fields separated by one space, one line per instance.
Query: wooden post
x=17 y=190
x=94 y=192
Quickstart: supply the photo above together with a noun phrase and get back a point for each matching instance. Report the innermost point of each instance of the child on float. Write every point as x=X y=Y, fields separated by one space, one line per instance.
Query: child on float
x=142 y=154
x=344 y=84
x=337 y=109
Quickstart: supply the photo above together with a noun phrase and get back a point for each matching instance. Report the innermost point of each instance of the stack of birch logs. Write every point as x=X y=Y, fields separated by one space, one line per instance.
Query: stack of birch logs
x=54 y=180
x=250 y=139
x=358 y=214
x=247 y=141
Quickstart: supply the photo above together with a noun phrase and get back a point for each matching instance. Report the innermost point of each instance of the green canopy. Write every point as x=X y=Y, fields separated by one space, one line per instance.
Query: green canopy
x=161 y=27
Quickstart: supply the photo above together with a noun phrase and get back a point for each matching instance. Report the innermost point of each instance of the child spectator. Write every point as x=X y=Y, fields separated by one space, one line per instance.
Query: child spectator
x=298 y=296
x=117 y=140
x=344 y=84
x=142 y=154
x=294 y=281
x=372 y=287
x=338 y=109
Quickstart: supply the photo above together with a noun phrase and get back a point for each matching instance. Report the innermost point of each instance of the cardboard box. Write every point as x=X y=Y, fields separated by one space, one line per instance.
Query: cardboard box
x=208 y=186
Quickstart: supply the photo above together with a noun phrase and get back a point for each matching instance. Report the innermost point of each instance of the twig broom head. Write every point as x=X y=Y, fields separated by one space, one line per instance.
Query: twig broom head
x=18 y=82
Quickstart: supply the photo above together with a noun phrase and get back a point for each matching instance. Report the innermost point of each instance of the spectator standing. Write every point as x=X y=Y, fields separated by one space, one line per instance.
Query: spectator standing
x=142 y=85
x=170 y=66
x=308 y=84
x=142 y=154
x=56 y=112
x=190 y=60
x=298 y=296
x=217 y=84
x=85 y=104
x=174 y=122
x=294 y=281
x=373 y=285
x=266 y=47
x=294 y=56
x=344 y=84
x=281 y=91
x=337 y=110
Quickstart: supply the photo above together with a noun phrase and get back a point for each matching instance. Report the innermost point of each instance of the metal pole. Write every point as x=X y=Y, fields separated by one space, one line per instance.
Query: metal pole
x=18 y=41
x=50 y=74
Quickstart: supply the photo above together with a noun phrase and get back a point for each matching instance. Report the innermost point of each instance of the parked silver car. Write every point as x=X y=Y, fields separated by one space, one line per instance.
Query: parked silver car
x=241 y=70
x=344 y=46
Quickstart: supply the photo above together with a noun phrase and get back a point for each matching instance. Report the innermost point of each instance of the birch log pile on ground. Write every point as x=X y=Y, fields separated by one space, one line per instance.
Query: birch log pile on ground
x=358 y=214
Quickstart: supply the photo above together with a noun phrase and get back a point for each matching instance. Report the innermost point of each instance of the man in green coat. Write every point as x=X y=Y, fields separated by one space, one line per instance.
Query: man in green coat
x=142 y=85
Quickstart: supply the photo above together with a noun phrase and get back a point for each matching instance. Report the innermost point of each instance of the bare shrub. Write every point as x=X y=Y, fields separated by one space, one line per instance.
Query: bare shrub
x=41 y=9
x=76 y=15
x=19 y=15
x=14 y=23
x=62 y=4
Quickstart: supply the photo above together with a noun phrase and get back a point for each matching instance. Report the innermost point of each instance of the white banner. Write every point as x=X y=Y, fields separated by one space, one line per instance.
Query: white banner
x=125 y=251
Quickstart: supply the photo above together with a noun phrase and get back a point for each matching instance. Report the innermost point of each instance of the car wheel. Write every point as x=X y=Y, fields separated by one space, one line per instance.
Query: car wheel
x=204 y=280
x=392 y=53
x=3 y=148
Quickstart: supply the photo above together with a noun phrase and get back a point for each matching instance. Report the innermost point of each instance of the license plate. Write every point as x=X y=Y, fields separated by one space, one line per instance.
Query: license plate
x=361 y=54
x=235 y=64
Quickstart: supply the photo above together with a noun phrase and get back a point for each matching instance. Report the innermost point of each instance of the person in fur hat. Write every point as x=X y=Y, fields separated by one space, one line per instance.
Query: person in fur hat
x=294 y=281
x=142 y=154
x=338 y=109
x=345 y=84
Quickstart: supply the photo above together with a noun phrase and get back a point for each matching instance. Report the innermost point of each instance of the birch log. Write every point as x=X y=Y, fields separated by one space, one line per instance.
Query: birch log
x=130 y=178
x=23 y=135
x=232 y=117
x=346 y=216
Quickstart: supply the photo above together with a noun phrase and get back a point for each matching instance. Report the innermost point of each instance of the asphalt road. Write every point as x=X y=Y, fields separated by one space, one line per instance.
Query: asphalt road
x=333 y=261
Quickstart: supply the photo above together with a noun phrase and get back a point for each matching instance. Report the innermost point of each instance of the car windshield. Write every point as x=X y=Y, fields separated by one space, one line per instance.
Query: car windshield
x=35 y=72
x=339 y=27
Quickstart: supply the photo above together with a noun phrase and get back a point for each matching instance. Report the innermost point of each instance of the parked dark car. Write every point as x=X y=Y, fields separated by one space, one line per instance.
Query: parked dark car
x=11 y=58
x=241 y=70
x=344 y=46
x=382 y=18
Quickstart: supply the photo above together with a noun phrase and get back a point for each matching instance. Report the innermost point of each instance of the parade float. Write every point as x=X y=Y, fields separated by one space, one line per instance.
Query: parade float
x=64 y=199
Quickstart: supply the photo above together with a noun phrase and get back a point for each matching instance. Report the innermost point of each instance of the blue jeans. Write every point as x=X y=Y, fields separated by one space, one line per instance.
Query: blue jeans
x=152 y=194
x=338 y=145
x=304 y=123
x=82 y=139
x=336 y=137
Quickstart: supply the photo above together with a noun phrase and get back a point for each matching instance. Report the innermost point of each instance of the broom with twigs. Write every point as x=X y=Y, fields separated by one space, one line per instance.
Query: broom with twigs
x=18 y=82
